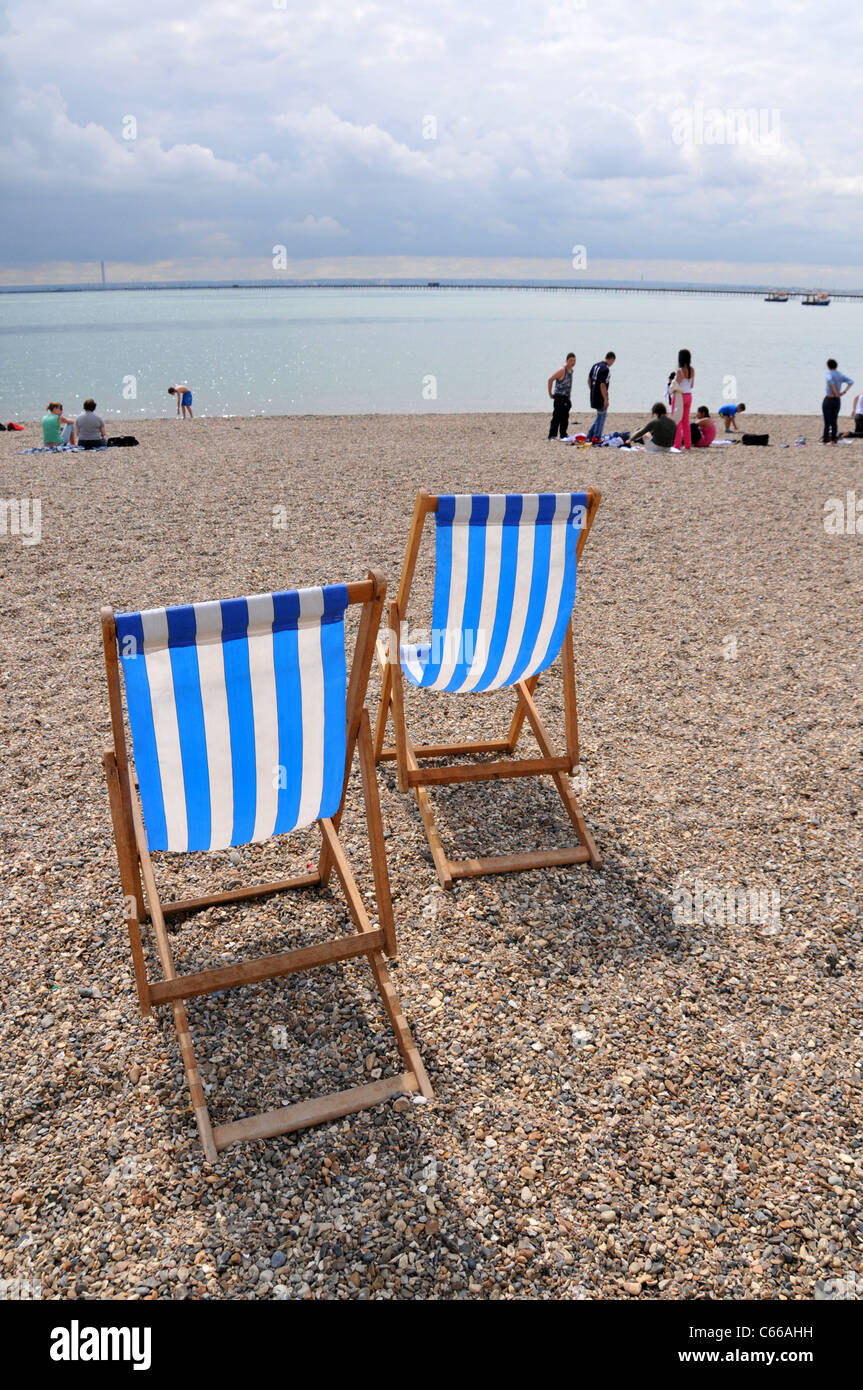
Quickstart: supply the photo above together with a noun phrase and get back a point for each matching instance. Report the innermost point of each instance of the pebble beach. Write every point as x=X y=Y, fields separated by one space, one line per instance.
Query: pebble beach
x=647 y=1077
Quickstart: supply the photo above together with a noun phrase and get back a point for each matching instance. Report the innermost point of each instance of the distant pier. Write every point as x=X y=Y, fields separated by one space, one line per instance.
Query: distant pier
x=527 y=286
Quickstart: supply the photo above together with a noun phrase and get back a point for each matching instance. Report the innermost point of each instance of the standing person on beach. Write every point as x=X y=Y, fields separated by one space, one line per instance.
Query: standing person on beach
x=597 y=379
x=560 y=393
x=683 y=383
x=837 y=384
x=184 y=399
x=51 y=422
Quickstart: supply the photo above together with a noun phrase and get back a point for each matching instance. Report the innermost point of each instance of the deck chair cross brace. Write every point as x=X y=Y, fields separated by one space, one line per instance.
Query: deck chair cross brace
x=218 y=696
x=502 y=611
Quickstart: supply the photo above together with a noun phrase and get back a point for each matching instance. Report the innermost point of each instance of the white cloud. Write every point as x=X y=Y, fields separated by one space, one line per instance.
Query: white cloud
x=314 y=226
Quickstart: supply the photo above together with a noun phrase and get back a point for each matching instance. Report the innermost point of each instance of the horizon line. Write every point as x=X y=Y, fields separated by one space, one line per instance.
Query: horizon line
x=423 y=282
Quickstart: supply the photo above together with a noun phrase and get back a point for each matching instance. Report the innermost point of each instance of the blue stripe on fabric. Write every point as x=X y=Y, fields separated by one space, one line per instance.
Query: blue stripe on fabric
x=477 y=537
x=505 y=589
x=567 y=591
x=538 y=586
x=442 y=582
x=335 y=712
x=130 y=635
x=289 y=708
x=238 y=684
x=335 y=603
x=182 y=630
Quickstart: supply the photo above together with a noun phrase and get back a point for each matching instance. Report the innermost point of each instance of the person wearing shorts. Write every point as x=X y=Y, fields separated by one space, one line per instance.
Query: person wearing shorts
x=184 y=399
x=729 y=414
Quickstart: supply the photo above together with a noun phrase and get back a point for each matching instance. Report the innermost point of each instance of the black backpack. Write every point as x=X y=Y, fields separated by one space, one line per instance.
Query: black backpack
x=754 y=438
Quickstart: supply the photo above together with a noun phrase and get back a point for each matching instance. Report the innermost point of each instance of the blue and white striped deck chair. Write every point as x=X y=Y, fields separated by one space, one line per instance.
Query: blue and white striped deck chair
x=244 y=725
x=504 y=590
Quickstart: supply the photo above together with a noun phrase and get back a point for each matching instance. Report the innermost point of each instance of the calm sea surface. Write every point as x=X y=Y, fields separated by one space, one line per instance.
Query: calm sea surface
x=334 y=351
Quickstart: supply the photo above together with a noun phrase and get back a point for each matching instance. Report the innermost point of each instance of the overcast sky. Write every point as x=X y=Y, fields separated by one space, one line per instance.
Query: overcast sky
x=554 y=125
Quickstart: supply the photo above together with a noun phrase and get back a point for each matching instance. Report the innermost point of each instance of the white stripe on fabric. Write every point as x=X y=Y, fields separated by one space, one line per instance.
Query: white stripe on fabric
x=262 y=677
x=452 y=637
x=521 y=595
x=556 y=566
x=311 y=667
x=411 y=661
x=490 y=586
x=217 y=729
x=154 y=622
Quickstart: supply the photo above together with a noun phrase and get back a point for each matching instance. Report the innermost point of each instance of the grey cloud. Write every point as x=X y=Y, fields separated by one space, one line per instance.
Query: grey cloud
x=554 y=125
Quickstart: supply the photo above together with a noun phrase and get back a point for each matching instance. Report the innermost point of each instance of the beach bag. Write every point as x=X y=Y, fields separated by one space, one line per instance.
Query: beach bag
x=754 y=438
x=123 y=441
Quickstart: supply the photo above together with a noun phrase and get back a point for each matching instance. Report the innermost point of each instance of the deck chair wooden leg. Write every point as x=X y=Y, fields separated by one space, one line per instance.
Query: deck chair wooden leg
x=356 y=906
x=375 y=827
x=441 y=862
x=130 y=878
x=181 y=1018
x=518 y=717
x=566 y=793
x=356 y=696
x=569 y=701
x=386 y=701
x=398 y=703
x=193 y=1077
x=407 y=1047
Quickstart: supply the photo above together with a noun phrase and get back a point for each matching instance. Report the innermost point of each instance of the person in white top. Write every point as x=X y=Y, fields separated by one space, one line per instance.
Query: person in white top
x=683 y=383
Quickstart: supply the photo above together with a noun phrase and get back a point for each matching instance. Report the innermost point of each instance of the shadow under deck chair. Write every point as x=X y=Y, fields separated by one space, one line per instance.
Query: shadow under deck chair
x=244 y=726
x=505 y=570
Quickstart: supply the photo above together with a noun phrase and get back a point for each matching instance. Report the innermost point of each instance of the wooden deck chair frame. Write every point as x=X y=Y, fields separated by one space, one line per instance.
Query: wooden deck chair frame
x=408 y=758
x=143 y=904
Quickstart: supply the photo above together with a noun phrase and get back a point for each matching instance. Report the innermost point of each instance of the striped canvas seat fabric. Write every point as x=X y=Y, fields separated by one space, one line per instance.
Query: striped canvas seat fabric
x=237 y=712
x=504 y=589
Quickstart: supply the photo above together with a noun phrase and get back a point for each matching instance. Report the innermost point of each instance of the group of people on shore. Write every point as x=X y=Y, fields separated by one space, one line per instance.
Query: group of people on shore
x=87 y=430
x=670 y=426
x=84 y=431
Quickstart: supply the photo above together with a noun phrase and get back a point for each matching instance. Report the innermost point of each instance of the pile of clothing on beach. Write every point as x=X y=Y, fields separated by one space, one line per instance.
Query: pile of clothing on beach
x=619 y=439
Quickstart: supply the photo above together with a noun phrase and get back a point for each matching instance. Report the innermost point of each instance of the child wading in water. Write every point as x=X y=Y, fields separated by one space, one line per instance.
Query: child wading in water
x=184 y=399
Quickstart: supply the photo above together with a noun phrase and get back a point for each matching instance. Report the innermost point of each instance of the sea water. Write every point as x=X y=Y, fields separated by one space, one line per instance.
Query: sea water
x=403 y=351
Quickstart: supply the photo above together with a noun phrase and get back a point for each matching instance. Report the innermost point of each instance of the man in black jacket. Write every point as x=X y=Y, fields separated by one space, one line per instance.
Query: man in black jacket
x=598 y=379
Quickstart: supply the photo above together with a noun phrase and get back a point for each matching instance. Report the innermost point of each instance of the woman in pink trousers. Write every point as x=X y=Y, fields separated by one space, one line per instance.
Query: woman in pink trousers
x=683 y=383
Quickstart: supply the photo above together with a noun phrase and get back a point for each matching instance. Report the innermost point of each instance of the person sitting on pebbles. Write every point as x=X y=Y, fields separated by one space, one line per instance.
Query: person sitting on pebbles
x=661 y=428
x=51 y=422
x=703 y=429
